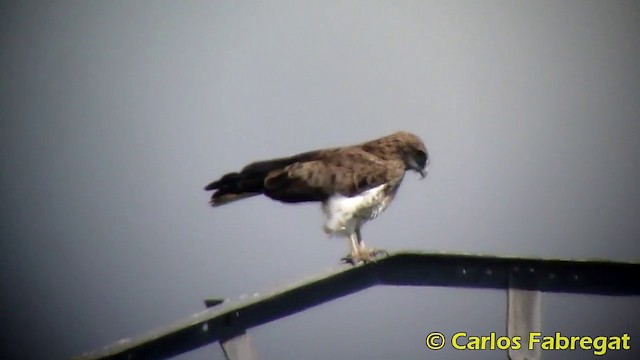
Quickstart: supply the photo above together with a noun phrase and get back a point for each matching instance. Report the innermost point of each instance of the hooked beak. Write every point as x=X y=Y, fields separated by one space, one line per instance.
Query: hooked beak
x=419 y=168
x=423 y=171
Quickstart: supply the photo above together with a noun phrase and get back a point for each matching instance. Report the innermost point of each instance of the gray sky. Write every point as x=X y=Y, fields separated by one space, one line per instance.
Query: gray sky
x=115 y=114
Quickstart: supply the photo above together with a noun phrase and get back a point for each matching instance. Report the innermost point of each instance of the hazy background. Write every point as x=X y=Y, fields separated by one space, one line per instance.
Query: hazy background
x=115 y=114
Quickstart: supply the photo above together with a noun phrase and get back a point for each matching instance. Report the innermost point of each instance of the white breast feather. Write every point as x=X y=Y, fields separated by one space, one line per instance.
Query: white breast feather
x=343 y=213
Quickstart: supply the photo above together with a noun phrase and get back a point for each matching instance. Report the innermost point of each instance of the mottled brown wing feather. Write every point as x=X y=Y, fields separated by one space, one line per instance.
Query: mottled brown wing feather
x=250 y=180
x=266 y=166
x=348 y=172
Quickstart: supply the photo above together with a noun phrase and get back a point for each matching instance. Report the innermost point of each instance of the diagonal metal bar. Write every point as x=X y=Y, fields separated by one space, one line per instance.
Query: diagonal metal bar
x=402 y=268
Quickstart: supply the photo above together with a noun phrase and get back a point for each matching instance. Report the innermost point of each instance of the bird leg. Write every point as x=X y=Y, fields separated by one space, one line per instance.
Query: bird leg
x=370 y=253
x=361 y=246
x=359 y=252
x=354 y=257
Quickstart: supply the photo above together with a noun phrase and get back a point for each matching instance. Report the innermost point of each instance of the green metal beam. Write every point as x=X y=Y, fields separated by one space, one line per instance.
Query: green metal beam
x=229 y=319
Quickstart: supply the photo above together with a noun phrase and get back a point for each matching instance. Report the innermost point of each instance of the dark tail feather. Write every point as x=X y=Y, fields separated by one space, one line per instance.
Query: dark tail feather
x=227 y=198
x=227 y=180
x=234 y=186
x=249 y=182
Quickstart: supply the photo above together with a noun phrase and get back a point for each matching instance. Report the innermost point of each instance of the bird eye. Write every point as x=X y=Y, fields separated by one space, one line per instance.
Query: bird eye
x=421 y=158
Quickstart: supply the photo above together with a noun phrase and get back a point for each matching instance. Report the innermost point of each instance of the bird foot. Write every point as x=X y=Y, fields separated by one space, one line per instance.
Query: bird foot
x=364 y=256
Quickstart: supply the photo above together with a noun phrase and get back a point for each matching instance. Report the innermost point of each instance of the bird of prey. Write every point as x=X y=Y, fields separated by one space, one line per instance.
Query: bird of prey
x=354 y=184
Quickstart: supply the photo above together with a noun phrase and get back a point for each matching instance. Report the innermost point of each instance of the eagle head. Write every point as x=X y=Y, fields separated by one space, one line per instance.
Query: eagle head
x=403 y=146
x=413 y=151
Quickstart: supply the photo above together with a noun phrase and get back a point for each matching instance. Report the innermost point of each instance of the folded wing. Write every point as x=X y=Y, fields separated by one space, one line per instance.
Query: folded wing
x=312 y=176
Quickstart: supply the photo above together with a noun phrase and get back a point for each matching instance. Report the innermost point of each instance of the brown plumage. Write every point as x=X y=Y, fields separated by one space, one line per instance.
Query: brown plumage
x=316 y=175
x=348 y=181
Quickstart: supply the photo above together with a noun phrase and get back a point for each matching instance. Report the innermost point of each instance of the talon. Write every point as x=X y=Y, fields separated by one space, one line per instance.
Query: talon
x=347 y=260
x=355 y=259
x=372 y=255
x=376 y=252
x=365 y=257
